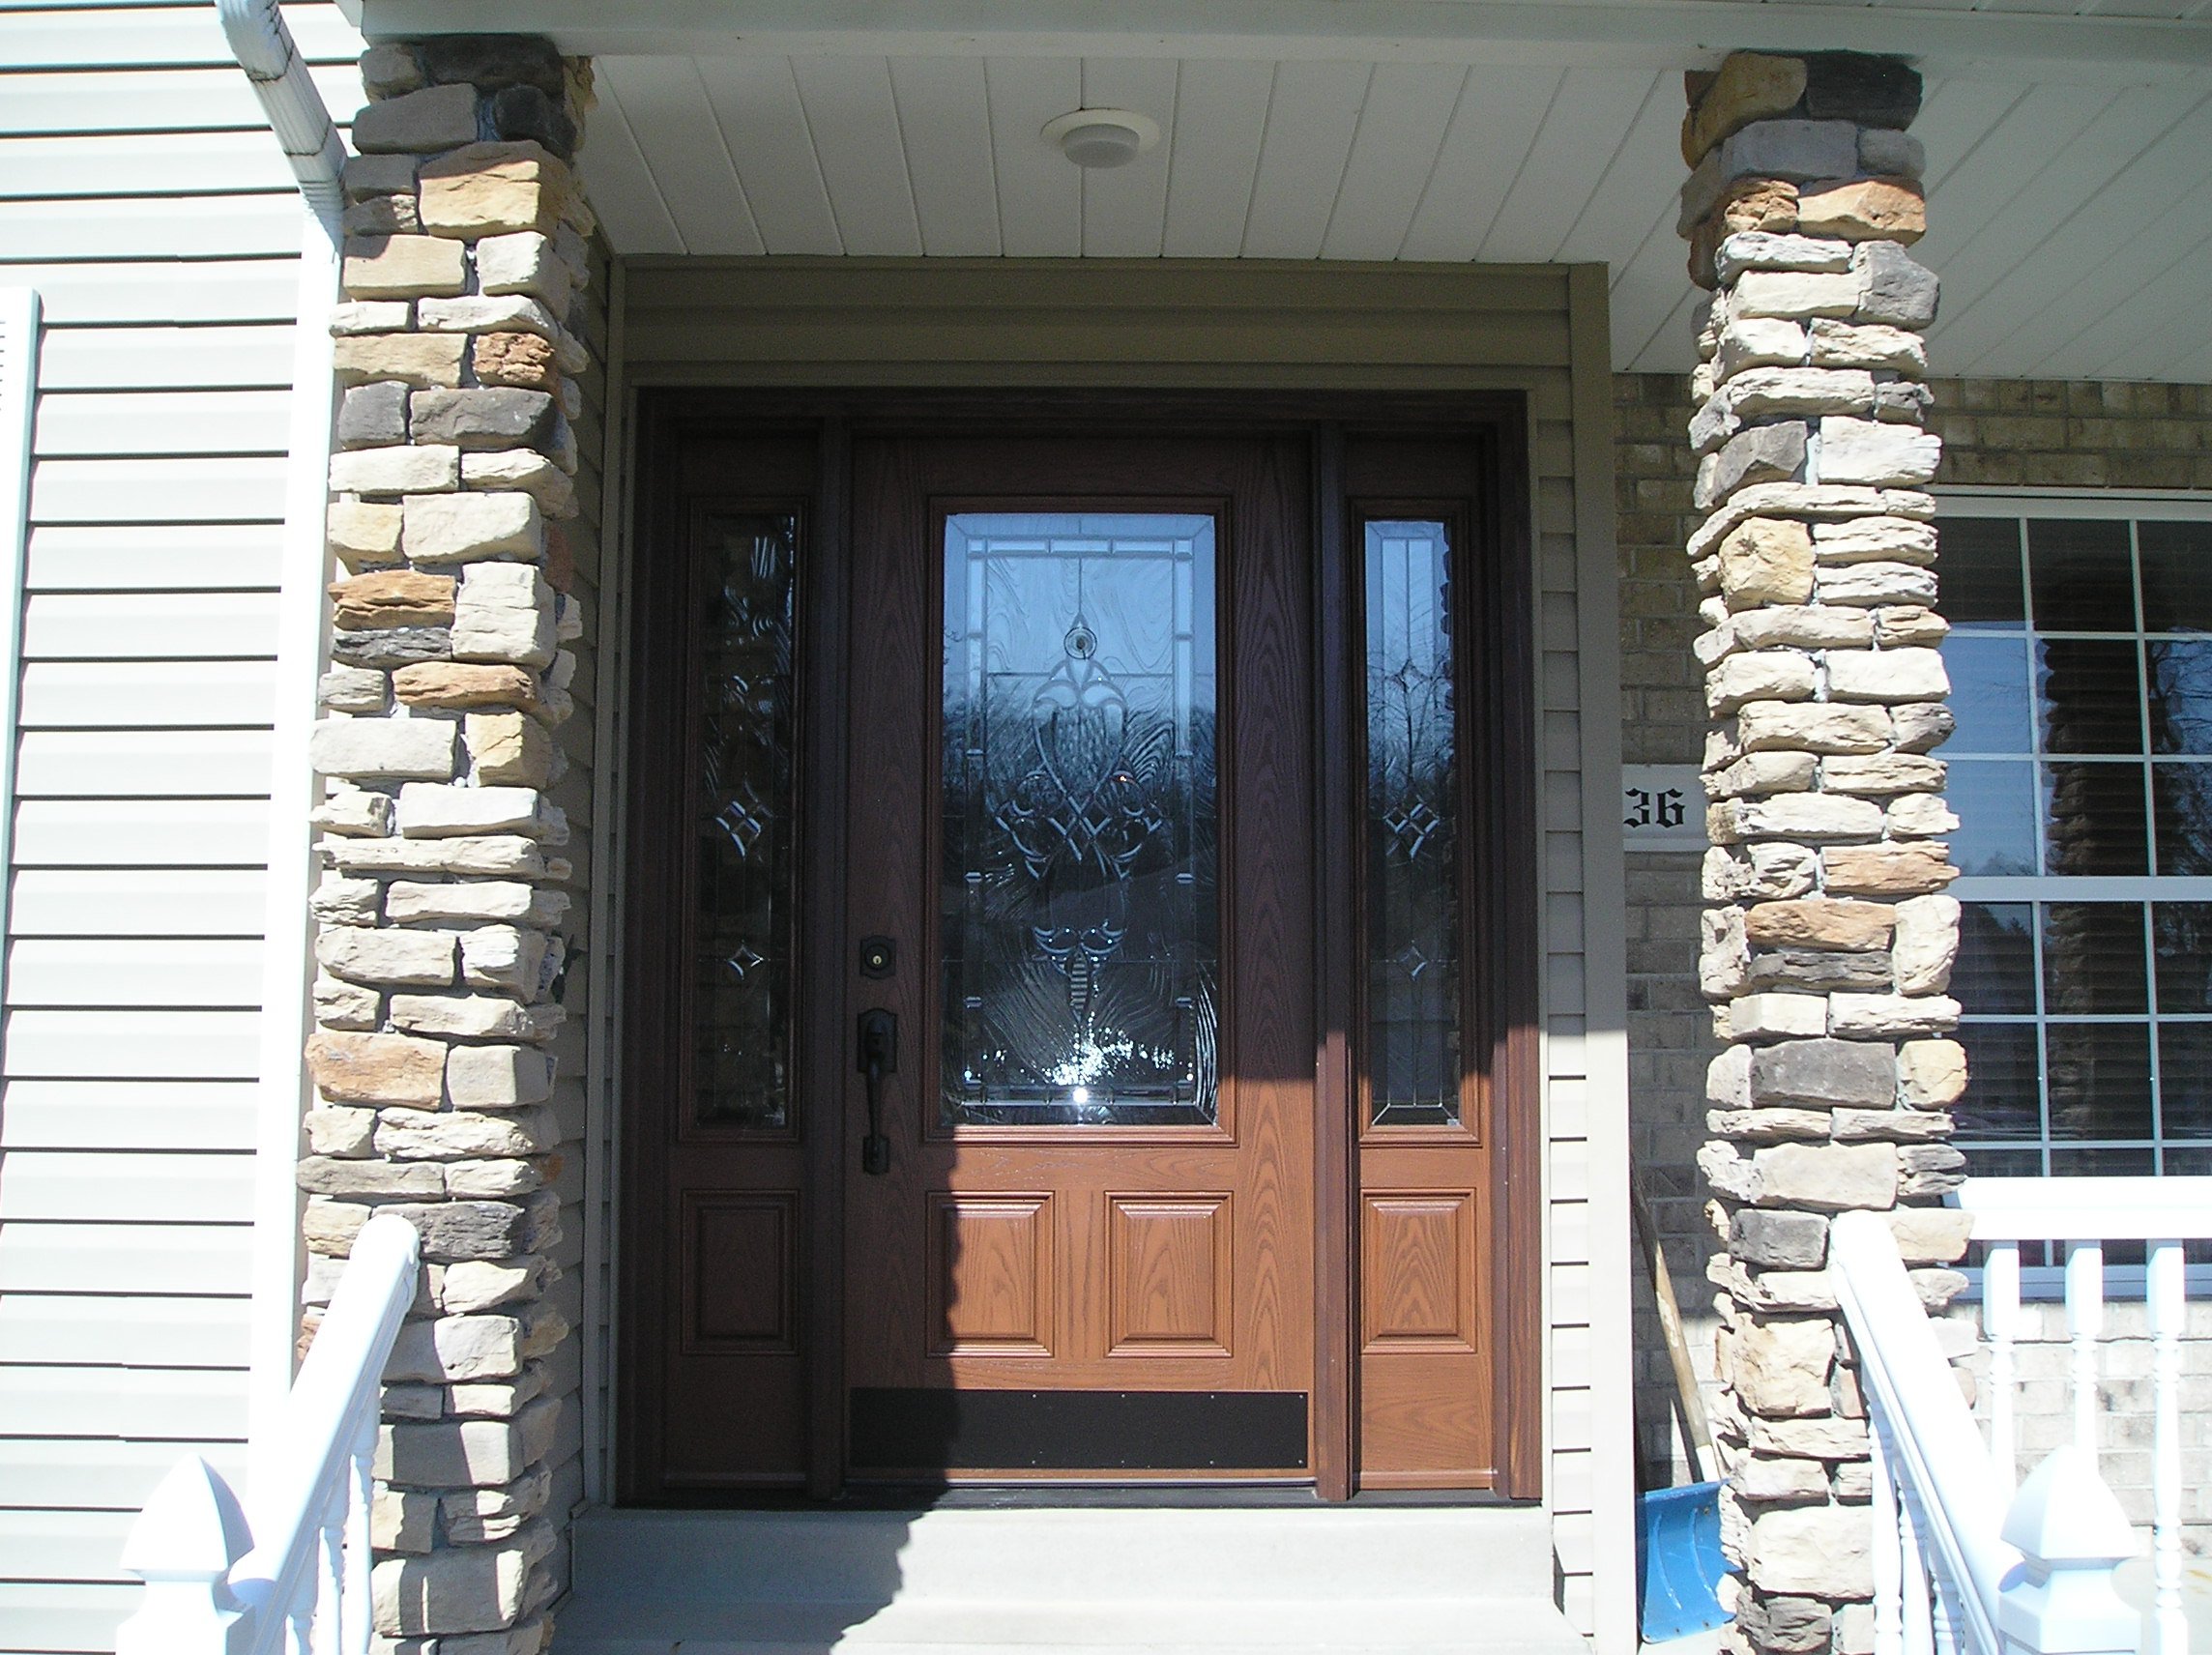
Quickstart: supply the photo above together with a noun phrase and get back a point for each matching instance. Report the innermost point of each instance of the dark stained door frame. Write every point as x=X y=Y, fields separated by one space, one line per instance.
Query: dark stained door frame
x=694 y=443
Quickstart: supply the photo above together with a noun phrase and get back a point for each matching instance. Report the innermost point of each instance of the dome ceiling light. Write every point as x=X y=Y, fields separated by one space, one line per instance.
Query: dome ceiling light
x=1102 y=137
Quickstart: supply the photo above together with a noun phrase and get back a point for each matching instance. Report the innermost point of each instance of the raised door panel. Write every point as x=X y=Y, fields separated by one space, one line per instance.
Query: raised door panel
x=1419 y=1289
x=1171 y=1267
x=990 y=1275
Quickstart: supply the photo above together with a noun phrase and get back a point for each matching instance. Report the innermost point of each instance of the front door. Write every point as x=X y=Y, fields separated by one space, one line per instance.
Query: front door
x=1078 y=969
x=1078 y=1220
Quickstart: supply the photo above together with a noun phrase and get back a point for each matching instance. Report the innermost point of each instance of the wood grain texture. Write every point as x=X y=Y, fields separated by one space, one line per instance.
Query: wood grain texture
x=1173 y=1270
x=990 y=1275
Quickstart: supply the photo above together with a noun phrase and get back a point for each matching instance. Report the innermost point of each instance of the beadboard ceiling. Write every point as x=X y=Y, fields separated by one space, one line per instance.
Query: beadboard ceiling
x=2073 y=221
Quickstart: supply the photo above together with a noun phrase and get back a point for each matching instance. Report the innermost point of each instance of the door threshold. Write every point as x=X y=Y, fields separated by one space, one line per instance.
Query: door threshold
x=1038 y=1496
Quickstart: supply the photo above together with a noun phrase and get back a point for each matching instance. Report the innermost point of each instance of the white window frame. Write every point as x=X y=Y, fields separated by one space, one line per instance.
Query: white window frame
x=2169 y=505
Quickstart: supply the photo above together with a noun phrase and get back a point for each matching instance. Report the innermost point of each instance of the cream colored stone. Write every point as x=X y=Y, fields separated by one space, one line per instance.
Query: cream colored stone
x=475 y=1016
x=1822 y=1549
x=1766 y=559
x=403 y=267
x=505 y=957
x=386 y=749
x=1887 y=674
x=427 y=812
x=1877 y=453
x=1764 y=774
x=1927 y=943
x=1932 y=1074
x=1881 y=774
x=492 y=189
x=1782 y=1367
x=453 y=1134
x=1796 y=294
x=1920 y=815
x=422 y=360
x=414 y=959
x=498 y=1077
x=1813 y=728
x=1777 y=1016
x=1761 y=675
x=1821 y=922
x=413 y=468
x=1886 y=870
x=1889 y=1016
x=1872 y=539
x=1793 y=816
x=363 y=535
x=1825 y=1177
x=352 y=810
x=413 y=901
x=445 y=528
x=1804 y=626
x=377 y=1068
x=508 y=749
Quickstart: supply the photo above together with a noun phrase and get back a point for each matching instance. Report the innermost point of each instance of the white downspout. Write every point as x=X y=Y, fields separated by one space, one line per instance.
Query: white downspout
x=264 y=50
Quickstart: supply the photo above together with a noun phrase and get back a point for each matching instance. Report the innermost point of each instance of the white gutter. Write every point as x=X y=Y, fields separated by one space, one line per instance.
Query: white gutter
x=264 y=50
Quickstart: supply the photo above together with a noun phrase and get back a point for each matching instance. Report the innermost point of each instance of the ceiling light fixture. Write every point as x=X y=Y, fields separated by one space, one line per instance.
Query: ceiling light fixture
x=1102 y=137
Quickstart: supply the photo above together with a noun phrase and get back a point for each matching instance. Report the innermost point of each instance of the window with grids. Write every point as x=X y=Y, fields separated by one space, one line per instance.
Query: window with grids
x=2080 y=662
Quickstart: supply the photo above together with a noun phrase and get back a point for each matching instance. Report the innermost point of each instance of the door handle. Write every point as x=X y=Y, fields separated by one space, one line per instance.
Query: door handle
x=878 y=1058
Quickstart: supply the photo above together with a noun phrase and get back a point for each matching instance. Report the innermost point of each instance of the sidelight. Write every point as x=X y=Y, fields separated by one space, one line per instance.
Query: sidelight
x=1079 y=893
x=1412 y=878
x=741 y=958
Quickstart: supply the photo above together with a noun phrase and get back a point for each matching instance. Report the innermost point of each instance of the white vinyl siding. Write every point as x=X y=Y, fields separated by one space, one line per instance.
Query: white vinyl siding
x=144 y=201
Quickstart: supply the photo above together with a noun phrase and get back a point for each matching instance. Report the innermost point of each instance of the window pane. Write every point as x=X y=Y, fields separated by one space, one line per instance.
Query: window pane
x=741 y=1022
x=1412 y=830
x=2176 y=558
x=2102 y=1164
x=2093 y=820
x=2093 y=957
x=2183 y=931
x=2000 y=1100
x=2088 y=699
x=2182 y=796
x=2099 y=1078
x=2185 y=1078
x=2080 y=575
x=1994 y=801
x=1995 y=970
x=2180 y=696
x=1980 y=570
x=1080 y=931
x=1989 y=693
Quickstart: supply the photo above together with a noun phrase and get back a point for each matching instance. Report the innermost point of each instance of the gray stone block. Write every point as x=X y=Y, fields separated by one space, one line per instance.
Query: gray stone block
x=369 y=175
x=480 y=418
x=436 y=118
x=1786 y=1626
x=525 y=112
x=1779 y=1241
x=374 y=416
x=1800 y=149
x=493 y=61
x=1817 y=968
x=398 y=646
x=1889 y=154
x=1894 y=289
x=1874 y=91
x=1764 y=453
x=1825 y=1073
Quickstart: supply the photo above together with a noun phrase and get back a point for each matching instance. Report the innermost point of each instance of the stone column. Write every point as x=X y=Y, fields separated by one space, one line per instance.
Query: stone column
x=441 y=912
x=1827 y=944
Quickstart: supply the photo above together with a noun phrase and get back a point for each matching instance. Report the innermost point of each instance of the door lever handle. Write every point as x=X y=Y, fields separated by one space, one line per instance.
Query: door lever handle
x=878 y=1058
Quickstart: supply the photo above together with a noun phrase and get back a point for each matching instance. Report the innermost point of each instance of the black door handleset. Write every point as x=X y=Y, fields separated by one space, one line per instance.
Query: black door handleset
x=878 y=1058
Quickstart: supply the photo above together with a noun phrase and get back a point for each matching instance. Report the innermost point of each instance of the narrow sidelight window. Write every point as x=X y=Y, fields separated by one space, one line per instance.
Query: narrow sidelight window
x=1412 y=829
x=742 y=955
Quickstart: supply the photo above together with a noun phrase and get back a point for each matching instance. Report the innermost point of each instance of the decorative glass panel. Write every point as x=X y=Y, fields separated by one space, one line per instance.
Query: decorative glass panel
x=1080 y=918
x=1412 y=919
x=742 y=957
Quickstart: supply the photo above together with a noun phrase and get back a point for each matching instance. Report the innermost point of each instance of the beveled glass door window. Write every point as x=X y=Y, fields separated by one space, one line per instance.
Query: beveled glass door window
x=1079 y=932
x=742 y=957
x=1412 y=830
x=2081 y=661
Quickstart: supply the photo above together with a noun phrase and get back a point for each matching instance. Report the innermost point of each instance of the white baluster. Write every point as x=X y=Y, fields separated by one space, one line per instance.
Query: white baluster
x=2085 y=1325
x=1886 y=1557
x=1947 y=1613
x=2165 y=1301
x=2001 y=1325
x=358 y=1560
x=1919 y=1625
x=182 y=1547
x=329 y=1571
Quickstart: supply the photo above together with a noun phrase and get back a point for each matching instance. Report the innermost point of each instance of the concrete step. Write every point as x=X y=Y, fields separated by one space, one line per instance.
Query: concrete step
x=1061 y=1555
x=1342 y=1581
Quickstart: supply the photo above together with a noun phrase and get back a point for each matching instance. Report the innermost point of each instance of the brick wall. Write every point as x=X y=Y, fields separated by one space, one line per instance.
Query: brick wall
x=2023 y=434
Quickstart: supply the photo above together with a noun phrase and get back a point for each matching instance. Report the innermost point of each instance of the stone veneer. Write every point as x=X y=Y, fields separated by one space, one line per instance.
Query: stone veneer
x=441 y=917
x=1826 y=943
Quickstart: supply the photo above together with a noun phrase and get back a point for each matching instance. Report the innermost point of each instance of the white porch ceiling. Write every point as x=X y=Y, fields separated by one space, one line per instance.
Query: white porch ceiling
x=2073 y=222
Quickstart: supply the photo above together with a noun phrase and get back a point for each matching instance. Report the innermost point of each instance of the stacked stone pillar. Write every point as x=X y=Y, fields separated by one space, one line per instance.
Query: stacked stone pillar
x=442 y=910
x=1827 y=945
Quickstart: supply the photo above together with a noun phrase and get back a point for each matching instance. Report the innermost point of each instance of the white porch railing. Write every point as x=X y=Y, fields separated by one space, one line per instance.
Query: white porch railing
x=296 y=1577
x=2079 y=1215
x=1955 y=1567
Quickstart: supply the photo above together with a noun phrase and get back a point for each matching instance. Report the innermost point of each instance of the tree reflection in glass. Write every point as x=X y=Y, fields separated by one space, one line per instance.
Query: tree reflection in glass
x=1079 y=924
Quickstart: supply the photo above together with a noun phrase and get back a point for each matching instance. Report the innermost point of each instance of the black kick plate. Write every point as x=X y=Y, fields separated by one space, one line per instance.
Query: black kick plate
x=925 y=1430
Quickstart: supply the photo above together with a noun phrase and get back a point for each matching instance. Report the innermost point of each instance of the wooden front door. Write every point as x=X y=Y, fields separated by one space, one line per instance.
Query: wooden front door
x=1081 y=829
x=1078 y=969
